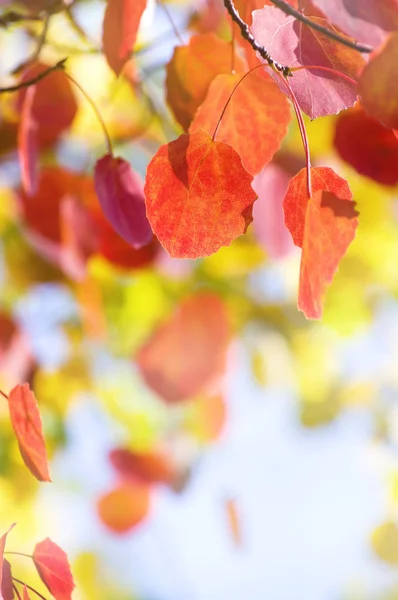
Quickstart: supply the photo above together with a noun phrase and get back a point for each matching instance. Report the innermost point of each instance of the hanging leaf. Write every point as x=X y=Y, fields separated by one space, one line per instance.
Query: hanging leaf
x=198 y=195
x=5 y=569
x=124 y=507
x=120 y=193
x=26 y=421
x=7 y=590
x=318 y=93
x=368 y=146
x=378 y=86
x=323 y=226
x=27 y=144
x=53 y=568
x=192 y=69
x=25 y=593
x=121 y=22
x=187 y=353
x=260 y=108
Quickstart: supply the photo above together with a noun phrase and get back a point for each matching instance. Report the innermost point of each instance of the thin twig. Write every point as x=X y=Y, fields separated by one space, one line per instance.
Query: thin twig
x=18 y=595
x=41 y=40
x=13 y=17
x=59 y=66
x=245 y=32
x=30 y=588
x=289 y=10
x=171 y=21
x=4 y=395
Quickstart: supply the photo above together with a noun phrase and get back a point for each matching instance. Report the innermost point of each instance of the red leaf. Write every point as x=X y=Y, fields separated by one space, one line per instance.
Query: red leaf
x=120 y=193
x=192 y=69
x=198 y=195
x=150 y=467
x=4 y=569
x=378 y=86
x=7 y=590
x=323 y=226
x=26 y=421
x=54 y=104
x=124 y=507
x=121 y=22
x=367 y=146
x=53 y=568
x=187 y=353
x=27 y=144
x=319 y=93
x=366 y=21
x=25 y=593
x=259 y=107
x=268 y=219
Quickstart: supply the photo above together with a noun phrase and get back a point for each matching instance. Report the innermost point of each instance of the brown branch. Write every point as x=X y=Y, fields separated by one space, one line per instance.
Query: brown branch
x=41 y=40
x=13 y=17
x=289 y=10
x=59 y=66
x=245 y=32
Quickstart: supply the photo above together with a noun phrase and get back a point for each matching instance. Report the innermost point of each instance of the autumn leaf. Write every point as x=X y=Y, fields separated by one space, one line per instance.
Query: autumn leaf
x=378 y=86
x=54 y=105
x=188 y=352
x=148 y=467
x=323 y=226
x=192 y=69
x=6 y=590
x=120 y=193
x=121 y=22
x=26 y=421
x=27 y=144
x=25 y=593
x=260 y=108
x=198 y=195
x=318 y=93
x=366 y=21
x=368 y=146
x=124 y=507
x=53 y=568
x=4 y=570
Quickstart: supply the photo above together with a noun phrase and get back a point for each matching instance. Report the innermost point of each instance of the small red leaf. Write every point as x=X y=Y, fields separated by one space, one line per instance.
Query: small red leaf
x=25 y=593
x=187 y=353
x=26 y=421
x=367 y=145
x=198 y=195
x=121 y=22
x=124 y=507
x=323 y=226
x=7 y=590
x=4 y=569
x=378 y=86
x=53 y=568
x=120 y=193
x=149 y=467
x=318 y=93
x=27 y=144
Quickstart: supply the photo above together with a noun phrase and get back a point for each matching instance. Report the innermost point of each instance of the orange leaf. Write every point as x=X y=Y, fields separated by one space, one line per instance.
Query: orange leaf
x=25 y=593
x=198 y=195
x=234 y=524
x=260 y=108
x=27 y=144
x=192 y=69
x=149 y=467
x=26 y=421
x=124 y=507
x=188 y=352
x=378 y=86
x=121 y=22
x=323 y=226
x=53 y=568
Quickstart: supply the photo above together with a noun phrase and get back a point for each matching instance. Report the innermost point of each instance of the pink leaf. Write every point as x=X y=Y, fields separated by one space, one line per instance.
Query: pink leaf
x=27 y=144
x=53 y=568
x=7 y=591
x=121 y=196
x=3 y=562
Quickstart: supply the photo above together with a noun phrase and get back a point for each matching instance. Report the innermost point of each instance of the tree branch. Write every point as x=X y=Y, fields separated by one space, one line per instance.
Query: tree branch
x=59 y=66
x=245 y=32
x=289 y=10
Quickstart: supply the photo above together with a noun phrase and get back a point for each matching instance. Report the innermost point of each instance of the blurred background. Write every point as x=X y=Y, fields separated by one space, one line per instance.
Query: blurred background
x=206 y=441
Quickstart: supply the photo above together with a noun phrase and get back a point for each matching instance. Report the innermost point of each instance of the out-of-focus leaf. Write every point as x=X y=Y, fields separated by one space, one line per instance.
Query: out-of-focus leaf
x=124 y=507
x=384 y=542
x=188 y=352
x=149 y=467
x=198 y=195
x=27 y=144
x=26 y=421
x=53 y=568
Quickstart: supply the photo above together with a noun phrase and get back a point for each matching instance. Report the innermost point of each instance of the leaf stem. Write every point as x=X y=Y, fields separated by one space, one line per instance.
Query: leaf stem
x=289 y=10
x=95 y=109
x=18 y=595
x=4 y=395
x=59 y=66
x=246 y=34
x=18 y=554
x=304 y=136
x=329 y=70
x=30 y=588
x=171 y=21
